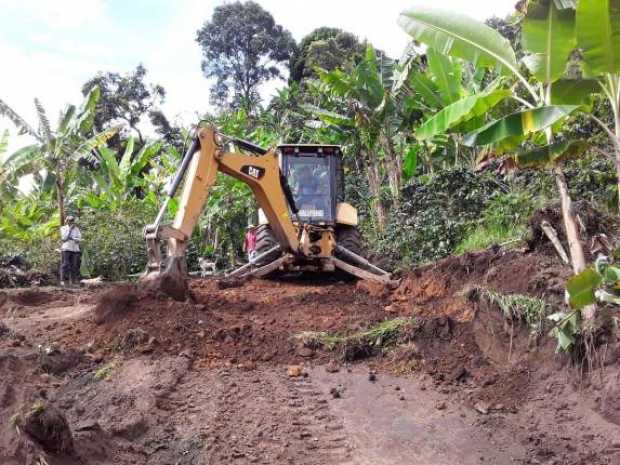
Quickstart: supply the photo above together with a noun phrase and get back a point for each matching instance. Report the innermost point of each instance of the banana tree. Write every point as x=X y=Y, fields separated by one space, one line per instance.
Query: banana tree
x=7 y=189
x=56 y=152
x=548 y=38
x=117 y=181
x=373 y=115
x=598 y=37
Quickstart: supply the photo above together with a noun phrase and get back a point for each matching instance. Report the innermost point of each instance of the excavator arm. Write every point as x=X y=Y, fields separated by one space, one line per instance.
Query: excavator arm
x=208 y=155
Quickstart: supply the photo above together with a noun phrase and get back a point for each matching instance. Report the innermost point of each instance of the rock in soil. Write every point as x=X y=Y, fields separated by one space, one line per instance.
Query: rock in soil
x=482 y=407
x=335 y=392
x=48 y=427
x=295 y=371
x=332 y=367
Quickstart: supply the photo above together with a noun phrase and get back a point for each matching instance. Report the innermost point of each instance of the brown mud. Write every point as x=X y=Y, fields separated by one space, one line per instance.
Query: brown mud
x=126 y=375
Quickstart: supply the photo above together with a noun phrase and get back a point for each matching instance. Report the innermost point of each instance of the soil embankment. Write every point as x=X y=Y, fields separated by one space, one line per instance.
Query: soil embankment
x=134 y=377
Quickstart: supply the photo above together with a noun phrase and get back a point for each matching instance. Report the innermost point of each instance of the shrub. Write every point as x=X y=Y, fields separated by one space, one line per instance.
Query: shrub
x=112 y=241
x=434 y=215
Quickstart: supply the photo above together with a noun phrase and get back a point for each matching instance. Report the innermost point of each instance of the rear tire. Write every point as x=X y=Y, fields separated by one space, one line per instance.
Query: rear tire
x=265 y=240
x=349 y=238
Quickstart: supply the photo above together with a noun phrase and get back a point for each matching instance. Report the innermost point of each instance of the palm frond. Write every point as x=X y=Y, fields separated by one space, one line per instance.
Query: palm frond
x=18 y=121
x=4 y=143
x=45 y=129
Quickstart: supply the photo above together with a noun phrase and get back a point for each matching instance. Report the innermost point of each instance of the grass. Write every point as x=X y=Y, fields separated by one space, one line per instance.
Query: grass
x=16 y=420
x=483 y=237
x=531 y=310
x=105 y=371
x=37 y=408
x=381 y=335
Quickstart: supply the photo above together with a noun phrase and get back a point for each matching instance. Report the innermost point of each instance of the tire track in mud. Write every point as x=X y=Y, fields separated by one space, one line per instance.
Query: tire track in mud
x=255 y=417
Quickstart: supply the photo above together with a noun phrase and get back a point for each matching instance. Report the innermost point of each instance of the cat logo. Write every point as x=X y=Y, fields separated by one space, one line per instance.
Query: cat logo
x=254 y=171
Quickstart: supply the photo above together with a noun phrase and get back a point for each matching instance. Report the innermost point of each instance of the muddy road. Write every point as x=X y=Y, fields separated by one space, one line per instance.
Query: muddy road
x=277 y=373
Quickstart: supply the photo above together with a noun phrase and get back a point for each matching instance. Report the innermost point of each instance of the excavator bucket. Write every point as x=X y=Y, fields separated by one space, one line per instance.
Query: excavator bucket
x=171 y=280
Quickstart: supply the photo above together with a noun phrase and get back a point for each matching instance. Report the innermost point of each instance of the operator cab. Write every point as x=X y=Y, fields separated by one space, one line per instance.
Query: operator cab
x=314 y=173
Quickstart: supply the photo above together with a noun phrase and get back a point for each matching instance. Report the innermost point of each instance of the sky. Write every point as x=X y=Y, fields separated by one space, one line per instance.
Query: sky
x=49 y=48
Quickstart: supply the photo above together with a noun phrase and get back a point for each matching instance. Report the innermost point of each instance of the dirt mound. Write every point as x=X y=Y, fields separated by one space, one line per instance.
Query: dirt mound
x=32 y=297
x=442 y=287
x=15 y=272
x=252 y=323
x=57 y=362
x=590 y=220
x=48 y=427
x=115 y=302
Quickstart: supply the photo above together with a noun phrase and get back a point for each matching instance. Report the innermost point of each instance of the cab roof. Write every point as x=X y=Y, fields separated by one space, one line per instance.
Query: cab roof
x=310 y=148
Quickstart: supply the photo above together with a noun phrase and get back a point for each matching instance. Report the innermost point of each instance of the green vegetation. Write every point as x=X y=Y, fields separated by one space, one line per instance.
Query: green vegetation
x=530 y=310
x=105 y=371
x=378 y=337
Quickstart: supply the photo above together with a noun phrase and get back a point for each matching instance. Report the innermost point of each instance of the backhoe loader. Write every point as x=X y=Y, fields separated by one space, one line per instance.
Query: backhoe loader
x=304 y=223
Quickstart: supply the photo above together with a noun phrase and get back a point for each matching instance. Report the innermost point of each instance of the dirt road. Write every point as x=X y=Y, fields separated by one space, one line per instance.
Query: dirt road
x=210 y=381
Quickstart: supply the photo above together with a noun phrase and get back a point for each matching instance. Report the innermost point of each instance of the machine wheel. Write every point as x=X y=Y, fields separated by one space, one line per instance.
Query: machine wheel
x=349 y=238
x=265 y=240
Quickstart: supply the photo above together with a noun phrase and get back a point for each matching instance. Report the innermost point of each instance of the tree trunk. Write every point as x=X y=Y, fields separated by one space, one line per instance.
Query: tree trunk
x=617 y=151
x=578 y=259
x=374 y=185
x=60 y=196
x=394 y=168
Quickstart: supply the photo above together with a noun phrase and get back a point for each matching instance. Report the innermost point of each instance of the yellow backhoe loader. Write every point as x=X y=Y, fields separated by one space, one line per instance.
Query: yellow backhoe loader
x=304 y=223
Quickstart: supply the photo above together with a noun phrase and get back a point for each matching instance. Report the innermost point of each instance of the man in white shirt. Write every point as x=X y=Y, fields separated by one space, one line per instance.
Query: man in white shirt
x=70 y=236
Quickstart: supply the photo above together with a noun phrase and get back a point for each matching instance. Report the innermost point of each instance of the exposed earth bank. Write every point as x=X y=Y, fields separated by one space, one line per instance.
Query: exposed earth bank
x=307 y=371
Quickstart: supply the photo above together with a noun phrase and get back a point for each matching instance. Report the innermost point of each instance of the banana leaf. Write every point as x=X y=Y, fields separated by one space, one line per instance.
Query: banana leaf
x=125 y=162
x=574 y=92
x=427 y=90
x=330 y=117
x=549 y=35
x=581 y=288
x=447 y=73
x=541 y=157
x=518 y=124
x=598 y=36
x=459 y=112
x=458 y=35
x=411 y=162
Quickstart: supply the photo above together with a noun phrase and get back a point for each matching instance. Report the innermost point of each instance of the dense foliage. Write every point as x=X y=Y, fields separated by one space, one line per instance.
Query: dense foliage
x=435 y=214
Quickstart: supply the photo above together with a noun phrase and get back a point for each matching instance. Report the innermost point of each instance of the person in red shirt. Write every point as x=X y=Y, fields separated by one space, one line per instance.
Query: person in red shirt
x=249 y=243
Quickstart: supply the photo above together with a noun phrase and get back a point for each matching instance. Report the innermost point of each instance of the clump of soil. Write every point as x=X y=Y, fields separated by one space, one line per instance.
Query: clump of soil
x=32 y=297
x=15 y=272
x=442 y=288
x=57 y=362
x=590 y=222
x=114 y=302
x=229 y=283
x=48 y=427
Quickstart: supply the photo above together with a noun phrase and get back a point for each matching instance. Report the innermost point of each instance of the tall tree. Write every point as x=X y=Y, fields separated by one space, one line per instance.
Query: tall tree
x=242 y=47
x=327 y=48
x=125 y=101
